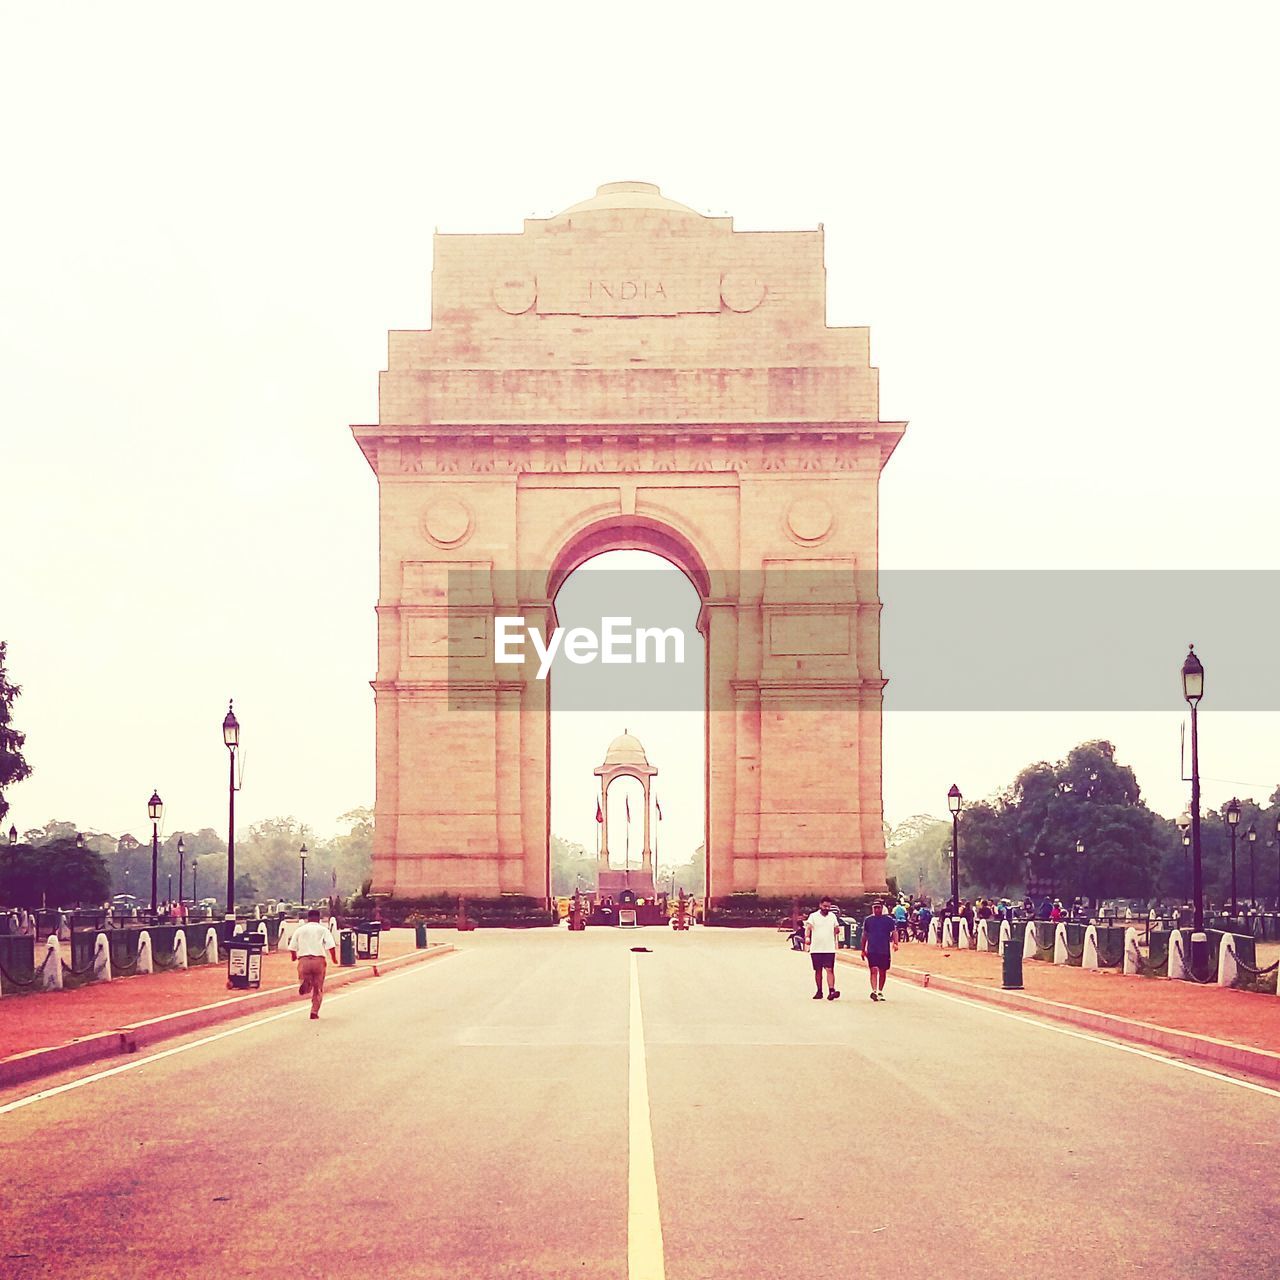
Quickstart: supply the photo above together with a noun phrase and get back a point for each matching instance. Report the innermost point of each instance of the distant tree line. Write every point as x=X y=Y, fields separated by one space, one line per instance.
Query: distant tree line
x=64 y=866
x=1082 y=827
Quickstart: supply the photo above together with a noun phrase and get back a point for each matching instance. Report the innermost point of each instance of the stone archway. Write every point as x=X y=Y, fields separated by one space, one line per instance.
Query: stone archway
x=630 y=374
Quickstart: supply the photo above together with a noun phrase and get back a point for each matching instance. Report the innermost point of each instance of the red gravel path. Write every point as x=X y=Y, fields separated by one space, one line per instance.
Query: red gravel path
x=1243 y=1017
x=42 y=1019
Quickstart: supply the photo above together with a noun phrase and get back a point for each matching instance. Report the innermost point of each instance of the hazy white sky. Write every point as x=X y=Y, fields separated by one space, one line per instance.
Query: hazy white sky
x=1059 y=222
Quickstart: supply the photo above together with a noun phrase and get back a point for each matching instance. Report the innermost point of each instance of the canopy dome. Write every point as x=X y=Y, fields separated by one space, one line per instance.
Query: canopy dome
x=628 y=195
x=625 y=749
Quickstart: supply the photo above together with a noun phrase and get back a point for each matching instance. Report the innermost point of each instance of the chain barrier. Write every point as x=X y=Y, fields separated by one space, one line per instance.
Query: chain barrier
x=198 y=957
x=80 y=973
x=1142 y=965
x=23 y=983
x=167 y=965
x=1189 y=971
x=1248 y=968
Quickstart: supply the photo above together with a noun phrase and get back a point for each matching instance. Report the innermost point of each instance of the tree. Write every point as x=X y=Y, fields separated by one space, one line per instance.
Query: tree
x=917 y=856
x=1031 y=831
x=246 y=889
x=59 y=874
x=571 y=868
x=13 y=768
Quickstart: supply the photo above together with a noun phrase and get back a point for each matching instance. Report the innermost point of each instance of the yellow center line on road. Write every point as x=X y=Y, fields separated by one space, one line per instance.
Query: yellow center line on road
x=644 y=1224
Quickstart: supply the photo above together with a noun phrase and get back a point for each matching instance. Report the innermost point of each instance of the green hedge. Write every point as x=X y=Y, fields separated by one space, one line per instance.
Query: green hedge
x=755 y=911
x=440 y=910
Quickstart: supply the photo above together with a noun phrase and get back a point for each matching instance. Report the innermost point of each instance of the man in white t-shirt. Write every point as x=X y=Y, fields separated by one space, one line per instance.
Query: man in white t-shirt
x=308 y=945
x=820 y=942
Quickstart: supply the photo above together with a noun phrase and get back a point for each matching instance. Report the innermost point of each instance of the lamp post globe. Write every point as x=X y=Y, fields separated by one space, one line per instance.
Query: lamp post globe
x=155 y=811
x=955 y=802
x=1193 y=691
x=1231 y=812
x=231 y=740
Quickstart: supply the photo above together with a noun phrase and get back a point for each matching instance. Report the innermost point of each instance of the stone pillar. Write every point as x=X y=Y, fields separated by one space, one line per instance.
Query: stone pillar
x=102 y=958
x=646 y=856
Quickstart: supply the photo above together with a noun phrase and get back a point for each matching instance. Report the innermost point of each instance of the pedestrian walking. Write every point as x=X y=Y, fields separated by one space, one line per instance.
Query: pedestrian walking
x=820 y=943
x=308 y=945
x=878 y=936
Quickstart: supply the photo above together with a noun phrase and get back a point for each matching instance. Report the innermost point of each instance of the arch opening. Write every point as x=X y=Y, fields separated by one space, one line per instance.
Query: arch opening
x=627 y=744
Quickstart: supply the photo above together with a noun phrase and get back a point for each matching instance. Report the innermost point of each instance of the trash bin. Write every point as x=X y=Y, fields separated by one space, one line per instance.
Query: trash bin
x=346 y=947
x=847 y=939
x=244 y=961
x=1012 y=967
x=368 y=934
x=420 y=934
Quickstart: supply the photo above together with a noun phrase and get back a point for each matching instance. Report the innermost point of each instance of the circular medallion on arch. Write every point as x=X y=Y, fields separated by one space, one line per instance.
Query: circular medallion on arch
x=741 y=292
x=810 y=520
x=447 y=522
x=517 y=295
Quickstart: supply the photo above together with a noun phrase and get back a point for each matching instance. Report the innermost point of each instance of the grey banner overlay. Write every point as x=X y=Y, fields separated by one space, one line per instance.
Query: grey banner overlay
x=1048 y=641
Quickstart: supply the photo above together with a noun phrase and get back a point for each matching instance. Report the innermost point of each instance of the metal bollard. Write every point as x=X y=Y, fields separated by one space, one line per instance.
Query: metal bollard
x=1012 y=969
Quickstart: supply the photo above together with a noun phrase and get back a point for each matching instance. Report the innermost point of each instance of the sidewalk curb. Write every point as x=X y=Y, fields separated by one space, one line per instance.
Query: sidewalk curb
x=1182 y=1044
x=34 y=1063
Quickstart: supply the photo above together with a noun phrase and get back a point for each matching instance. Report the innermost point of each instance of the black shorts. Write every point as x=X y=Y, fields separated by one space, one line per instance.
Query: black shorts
x=823 y=959
x=877 y=961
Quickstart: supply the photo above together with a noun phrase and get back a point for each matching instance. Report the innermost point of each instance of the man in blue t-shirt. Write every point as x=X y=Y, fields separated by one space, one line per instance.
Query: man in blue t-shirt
x=900 y=921
x=878 y=936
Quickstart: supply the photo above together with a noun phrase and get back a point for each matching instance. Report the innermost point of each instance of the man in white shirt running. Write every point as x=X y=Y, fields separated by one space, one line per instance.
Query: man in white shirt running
x=309 y=943
x=820 y=942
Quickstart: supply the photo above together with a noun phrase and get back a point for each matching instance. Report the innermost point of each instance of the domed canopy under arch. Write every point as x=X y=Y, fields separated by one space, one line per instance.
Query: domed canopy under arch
x=625 y=749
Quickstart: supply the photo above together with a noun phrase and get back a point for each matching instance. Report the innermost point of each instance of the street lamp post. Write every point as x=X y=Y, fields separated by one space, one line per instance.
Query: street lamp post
x=1079 y=862
x=1231 y=811
x=302 y=857
x=155 y=811
x=195 y=867
x=954 y=801
x=13 y=835
x=180 y=868
x=1193 y=691
x=1252 y=837
x=1278 y=862
x=1182 y=822
x=231 y=737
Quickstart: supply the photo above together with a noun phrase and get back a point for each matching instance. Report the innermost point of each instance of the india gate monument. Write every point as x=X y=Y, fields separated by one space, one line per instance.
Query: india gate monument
x=630 y=374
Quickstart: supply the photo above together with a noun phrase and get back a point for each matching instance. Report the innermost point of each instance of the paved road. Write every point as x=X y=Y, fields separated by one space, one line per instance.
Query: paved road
x=484 y=1115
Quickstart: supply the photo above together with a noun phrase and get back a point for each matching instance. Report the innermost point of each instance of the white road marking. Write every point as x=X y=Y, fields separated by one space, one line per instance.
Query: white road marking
x=134 y=1063
x=644 y=1223
x=1110 y=1044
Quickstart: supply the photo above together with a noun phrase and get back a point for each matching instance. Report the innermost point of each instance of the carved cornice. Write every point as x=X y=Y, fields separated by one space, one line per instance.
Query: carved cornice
x=507 y=449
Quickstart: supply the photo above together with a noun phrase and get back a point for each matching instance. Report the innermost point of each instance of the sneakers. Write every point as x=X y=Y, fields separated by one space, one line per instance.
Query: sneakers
x=817 y=995
x=302 y=988
x=875 y=995
x=879 y=995
x=314 y=1014
x=833 y=995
